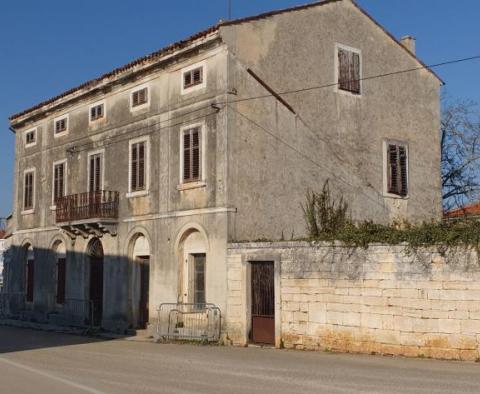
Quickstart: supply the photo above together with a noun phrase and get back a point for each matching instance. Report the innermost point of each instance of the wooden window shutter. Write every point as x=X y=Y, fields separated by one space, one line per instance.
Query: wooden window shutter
x=58 y=182
x=343 y=70
x=403 y=164
x=92 y=172
x=30 y=276
x=355 y=73
x=61 y=279
x=186 y=156
x=141 y=165
x=28 y=191
x=191 y=155
x=97 y=172
x=397 y=163
x=392 y=169
x=134 y=169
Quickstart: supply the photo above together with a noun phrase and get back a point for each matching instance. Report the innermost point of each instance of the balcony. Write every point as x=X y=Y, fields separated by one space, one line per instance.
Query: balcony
x=90 y=213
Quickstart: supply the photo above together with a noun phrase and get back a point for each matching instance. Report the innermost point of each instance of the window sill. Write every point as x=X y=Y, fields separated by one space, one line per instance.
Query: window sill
x=348 y=93
x=60 y=134
x=191 y=185
x=30 y=145
x=140 y=193
x=28 y=212
x=53 y=208
x=395 y=196
x=145 y=106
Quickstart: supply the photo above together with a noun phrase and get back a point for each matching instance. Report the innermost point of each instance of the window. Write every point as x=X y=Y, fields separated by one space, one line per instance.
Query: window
x=95 y=171
x=191 y=155
x=139 y=97
x=61 y=125
x=97 y=112
x=30 y=137
x=193 y=77
x=28 y=190
x=397 y=169
x=349 y=70
x=138 y=166
x=199 y=278
x=59 y=183
x=61 y=279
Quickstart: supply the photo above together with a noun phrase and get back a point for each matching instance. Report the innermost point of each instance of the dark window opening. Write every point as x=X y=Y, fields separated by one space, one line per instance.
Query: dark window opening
x=61 y=279
x=199 y=278
x=96 y=112
x=29 y=281
x=30 y=137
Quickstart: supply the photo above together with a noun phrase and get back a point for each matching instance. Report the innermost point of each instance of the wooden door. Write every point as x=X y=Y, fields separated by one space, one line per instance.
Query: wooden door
x=96 y=289
x=144 y=268
x=263 y=303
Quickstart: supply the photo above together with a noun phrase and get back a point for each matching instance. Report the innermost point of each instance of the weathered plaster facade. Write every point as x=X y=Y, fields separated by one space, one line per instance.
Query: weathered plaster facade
x=259 y=155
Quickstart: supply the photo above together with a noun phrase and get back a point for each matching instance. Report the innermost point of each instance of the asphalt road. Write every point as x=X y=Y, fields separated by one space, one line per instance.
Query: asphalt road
x=41 y=362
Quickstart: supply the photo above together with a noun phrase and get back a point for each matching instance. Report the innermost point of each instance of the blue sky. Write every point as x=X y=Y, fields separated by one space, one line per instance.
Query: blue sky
x=49 y=46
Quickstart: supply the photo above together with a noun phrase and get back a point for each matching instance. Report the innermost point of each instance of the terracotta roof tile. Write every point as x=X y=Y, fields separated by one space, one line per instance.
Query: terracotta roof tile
x=468 y=210
x=204 y=33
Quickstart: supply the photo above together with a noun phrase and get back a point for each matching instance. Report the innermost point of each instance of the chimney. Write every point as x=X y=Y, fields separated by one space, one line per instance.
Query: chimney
x=409 y=43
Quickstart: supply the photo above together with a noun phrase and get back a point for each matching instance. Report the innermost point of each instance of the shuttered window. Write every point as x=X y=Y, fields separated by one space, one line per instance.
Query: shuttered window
x=193 y=77
x=28 y=190
x=61 y=279
x=58 y=182
x=349 y=71
x=29 y=280
x=139 y=97
x=137 y=166
x=397 y=171
x=191 y=155
x=95 y=173
x=97 y=112
x=61 y=125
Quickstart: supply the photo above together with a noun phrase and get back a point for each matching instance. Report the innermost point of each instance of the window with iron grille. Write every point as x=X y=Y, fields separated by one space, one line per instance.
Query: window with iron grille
x=397 y=169
x=137 y=166
x=59 y=181
x=97 y=112
x=30 y=137
x=61 y=125
x=191 y=155
x=349 y=74
x=28 y=190
x=139 y=97
x=193 y=77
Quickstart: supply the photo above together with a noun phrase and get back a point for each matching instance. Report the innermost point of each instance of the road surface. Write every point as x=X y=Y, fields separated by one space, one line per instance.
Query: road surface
x=42 y=362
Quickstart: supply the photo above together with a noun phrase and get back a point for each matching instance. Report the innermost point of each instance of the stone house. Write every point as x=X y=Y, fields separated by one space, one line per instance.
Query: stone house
x=129 y=187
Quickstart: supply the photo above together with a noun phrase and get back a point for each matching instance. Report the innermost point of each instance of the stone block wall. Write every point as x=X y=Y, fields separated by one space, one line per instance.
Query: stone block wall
x=384 y=299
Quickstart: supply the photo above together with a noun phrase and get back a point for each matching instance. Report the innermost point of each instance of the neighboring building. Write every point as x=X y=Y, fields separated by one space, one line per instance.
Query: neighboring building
x=471 y=211
x=130 y=186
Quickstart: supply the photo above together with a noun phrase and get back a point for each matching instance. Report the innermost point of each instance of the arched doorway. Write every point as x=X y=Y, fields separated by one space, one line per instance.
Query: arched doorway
x=60 y=252
x=95 y=256
x=193 y=254
x=140 y=276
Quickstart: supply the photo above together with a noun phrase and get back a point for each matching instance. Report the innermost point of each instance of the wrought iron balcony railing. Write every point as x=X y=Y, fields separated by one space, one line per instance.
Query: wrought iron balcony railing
x=99 y=204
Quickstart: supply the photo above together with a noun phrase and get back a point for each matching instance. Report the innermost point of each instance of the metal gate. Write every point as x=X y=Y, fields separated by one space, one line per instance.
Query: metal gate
x=263 y=303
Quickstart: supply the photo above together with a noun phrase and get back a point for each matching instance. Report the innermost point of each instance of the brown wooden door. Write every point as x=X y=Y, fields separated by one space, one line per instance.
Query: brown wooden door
x=96 y=289
x=263 y=303
x=143 y=315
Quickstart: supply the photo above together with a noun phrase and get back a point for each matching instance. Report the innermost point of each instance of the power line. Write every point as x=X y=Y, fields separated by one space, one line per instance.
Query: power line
x=424 y=67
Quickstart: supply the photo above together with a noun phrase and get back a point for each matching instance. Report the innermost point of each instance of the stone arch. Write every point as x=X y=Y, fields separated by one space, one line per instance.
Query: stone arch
x=192 y=248
x=139 y=253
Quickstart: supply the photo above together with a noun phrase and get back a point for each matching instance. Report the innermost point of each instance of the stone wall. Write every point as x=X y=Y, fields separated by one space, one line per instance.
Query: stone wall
x=384 y=299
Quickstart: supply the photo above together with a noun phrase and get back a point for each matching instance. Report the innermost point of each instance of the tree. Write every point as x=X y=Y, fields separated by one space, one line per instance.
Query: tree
x=460 y=144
